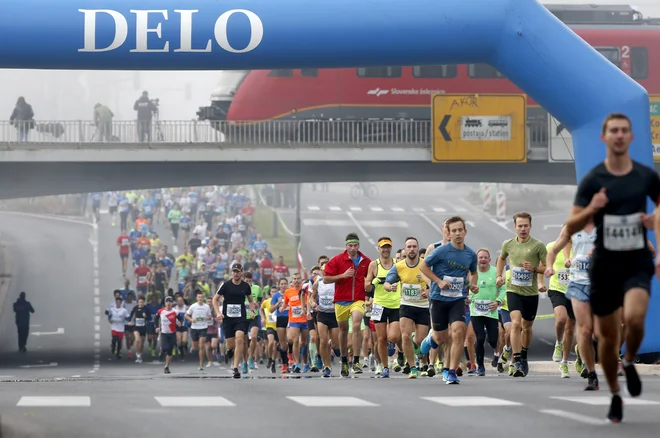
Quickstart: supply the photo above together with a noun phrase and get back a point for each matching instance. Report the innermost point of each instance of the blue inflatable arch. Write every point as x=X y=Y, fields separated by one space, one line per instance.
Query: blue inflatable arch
x=519 y=37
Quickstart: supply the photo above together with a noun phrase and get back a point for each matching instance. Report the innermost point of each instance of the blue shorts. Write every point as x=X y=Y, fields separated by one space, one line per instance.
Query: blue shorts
x=467 y=317
x=580 y=292
x=505 y=316
x=298 y=325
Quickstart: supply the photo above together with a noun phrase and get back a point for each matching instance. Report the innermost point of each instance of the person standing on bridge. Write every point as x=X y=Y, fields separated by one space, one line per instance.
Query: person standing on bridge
x=22 y=118
x=146 y=109
x=22 y=308
x=103 y=121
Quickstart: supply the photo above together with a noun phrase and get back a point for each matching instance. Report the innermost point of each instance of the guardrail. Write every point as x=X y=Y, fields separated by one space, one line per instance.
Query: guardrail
x=278 y=132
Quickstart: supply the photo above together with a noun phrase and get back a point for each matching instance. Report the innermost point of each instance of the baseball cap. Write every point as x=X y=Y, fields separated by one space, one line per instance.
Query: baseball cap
x=383 y=242
x=169 y=299
x=237 y=267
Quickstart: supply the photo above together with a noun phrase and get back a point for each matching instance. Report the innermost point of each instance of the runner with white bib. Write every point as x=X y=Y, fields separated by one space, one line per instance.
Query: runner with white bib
x=385 y=307
x=564 y=316
x=526 y=256
x=324 y=295
x=414 y=311
x=198 y=314
x=448 y=267
x=578 y=291
x=614 y=194
x=233 y=314
x=483 y=308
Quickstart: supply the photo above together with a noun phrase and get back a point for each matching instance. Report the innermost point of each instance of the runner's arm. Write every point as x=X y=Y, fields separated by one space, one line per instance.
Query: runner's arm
x=559 y=245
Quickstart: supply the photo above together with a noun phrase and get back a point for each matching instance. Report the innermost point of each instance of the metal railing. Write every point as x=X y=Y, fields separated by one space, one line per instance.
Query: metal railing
x=363 y=133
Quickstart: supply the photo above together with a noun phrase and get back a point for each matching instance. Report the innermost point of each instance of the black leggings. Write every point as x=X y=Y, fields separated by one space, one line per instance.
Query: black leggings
x=483 y=325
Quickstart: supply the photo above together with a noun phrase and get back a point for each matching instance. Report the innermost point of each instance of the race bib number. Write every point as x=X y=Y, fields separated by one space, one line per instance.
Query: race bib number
x=234 y=310
x=297 y=311
x=326 y=302
x=623 y=233
x=241 y=227
x=272 y=317
x=563 y=276
x=581 y=264
x=411 y=292
x=268 y=272
x=124 y=242
x=521 y=277
x=142 y=279
x=481 y=307
x=456 y=287
x=376 y=312
x=139 y=322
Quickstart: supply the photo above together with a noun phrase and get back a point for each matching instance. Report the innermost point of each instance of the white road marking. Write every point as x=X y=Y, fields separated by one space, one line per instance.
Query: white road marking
x=461 y=402
x=331 y=402
x=605 y=401
x=97 y=319
x=59 y=331
x=501 y=224
x=355 y=208
x=334 y=208
x=419 y=210
x=42 y=365
x=577 y=417
x=55 y=401
x=97 y=300
x=385 y=224
x=313 y=208
x=97 y=328
x=97 y=291
x=439 y=210
x=460 y=209
x=398 y=209
x=376 y=209
x=361 y=228
x=435 y=226
x=97 y=310
x=193 y=402
x=51 y=218
x=327 y=222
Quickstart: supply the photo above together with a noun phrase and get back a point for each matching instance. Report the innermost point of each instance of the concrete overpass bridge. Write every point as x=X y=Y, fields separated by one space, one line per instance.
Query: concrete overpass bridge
x=70 y=156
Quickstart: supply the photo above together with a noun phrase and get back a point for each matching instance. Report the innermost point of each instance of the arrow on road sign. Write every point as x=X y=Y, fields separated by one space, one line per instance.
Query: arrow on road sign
x=443 y=127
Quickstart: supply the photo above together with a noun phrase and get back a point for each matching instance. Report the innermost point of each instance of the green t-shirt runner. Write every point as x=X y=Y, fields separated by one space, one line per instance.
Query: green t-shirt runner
x=522 y=281
x=488 y=292
x=257 y=293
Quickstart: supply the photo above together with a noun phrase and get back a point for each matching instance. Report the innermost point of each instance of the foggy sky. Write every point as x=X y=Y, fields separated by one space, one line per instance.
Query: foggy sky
x=71 y=95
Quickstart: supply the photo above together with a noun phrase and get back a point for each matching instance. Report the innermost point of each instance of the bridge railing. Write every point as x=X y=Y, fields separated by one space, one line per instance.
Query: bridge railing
x=220 y=133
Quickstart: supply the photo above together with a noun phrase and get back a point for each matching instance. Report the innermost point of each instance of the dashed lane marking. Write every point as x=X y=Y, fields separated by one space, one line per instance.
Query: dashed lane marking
x=331 y=402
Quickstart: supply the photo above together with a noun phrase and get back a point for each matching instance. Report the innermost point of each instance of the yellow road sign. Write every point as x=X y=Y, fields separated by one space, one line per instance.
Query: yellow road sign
x=479 y=127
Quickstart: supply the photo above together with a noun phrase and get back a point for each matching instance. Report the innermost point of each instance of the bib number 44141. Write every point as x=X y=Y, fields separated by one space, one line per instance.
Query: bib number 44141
x=623 y=233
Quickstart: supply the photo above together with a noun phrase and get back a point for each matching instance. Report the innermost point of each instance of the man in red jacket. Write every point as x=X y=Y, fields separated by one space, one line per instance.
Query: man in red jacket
x=348 y=272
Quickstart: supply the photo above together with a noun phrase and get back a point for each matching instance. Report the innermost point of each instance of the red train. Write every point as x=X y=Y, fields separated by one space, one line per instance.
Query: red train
x=620 y=33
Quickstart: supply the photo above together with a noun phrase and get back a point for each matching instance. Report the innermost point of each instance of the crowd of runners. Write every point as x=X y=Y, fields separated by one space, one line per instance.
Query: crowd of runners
x=422 y=311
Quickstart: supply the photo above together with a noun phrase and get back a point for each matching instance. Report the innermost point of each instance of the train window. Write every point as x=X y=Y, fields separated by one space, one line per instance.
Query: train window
x=611 y=53
x=281 y=73
x=435 y=71
x=309 y=72
x=379 y=72
x=639 y=63
x=483 y=71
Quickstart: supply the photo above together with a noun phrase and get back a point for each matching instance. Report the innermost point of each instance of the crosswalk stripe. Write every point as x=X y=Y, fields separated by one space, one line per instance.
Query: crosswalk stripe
x=331 y=402
x=439 y=209
x=418 y=210
x=574 y=416
x=459 y=402
x=193 y=402
x=313 y=207
x=605 y=401
x=55 y=401
x=376 y=209
x=398 y=209
x=355 y=208
x=334 y=208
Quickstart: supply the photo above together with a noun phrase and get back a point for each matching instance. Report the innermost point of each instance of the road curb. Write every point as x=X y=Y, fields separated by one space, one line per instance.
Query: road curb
x=5 y=281
x=548 y=367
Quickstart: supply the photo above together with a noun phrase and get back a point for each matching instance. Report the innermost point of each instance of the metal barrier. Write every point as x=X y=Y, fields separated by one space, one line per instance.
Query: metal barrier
x=361 y=133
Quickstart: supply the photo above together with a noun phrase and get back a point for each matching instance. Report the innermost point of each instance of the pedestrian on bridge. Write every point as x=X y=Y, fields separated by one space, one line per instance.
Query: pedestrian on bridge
x=103 y=121
x=22 y=308
x=22 y=118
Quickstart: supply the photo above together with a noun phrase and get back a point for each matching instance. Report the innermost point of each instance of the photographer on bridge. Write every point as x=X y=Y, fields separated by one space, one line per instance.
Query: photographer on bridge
x=146 y=108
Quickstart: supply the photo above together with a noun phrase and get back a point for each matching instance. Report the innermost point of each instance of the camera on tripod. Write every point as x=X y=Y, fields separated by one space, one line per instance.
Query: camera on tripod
x=156 y=102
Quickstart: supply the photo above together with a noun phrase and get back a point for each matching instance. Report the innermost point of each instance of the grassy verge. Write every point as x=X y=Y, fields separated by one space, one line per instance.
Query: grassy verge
x=283 y=244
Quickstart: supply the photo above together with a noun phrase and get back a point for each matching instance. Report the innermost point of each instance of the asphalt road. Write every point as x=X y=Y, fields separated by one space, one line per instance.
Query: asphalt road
x=327 y=408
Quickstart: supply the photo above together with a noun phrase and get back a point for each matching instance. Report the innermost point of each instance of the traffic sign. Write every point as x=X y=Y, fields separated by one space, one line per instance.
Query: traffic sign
x=560 y=148
x=479 y=128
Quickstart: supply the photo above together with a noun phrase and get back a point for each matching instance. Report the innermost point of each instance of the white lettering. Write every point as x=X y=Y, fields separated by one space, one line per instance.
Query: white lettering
x=256 y=31
x=89 y=30
x=142 y=30
x=186 y=32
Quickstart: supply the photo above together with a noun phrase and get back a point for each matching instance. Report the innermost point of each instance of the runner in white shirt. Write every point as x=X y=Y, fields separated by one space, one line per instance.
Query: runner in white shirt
x=198 y=315
x=113 y=202
x=202 y=228
x=117 y=317
x=167 y=327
